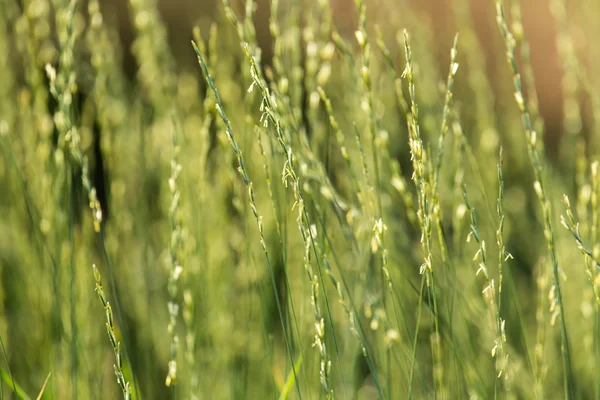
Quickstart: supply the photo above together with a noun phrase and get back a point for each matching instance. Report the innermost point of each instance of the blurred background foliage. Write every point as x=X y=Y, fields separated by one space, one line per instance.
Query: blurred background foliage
x=123 y=115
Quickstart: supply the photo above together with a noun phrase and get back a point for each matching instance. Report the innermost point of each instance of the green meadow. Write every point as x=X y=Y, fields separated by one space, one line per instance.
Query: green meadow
x=313 y=205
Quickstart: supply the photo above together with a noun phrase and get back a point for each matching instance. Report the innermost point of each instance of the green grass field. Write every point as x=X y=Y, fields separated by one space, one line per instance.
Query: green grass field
x=342 y=216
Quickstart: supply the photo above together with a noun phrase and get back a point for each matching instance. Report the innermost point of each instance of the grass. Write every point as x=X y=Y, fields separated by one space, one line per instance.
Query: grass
x=325 y=213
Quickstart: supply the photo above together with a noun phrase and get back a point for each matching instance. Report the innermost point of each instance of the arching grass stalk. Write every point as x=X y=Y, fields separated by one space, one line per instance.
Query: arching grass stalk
x=419 y=158
x=445 y=118
x=175 y=264
x=467 y=151
x=540 y=189
x=307 y=231
x=316 y=170
x=247 y=33
x=503 y=255
x=284 y=138
x=341 y=288
x=248 y=183
x=591 y=260
x=12 y=379
x=378 y=246
x=590 y=255
x=289 y=174
x=191 y=278
x=398 y=181
x=491 y=292
x=110 y=329
x=282 y=246
x=345 y=296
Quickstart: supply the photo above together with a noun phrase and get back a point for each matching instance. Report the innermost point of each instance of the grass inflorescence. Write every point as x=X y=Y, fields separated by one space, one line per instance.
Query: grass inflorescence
x=306 y=203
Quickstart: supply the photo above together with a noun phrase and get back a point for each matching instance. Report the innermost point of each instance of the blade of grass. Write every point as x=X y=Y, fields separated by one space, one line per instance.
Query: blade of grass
x=43 y=389
x=8 y=379
x=289 y=382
